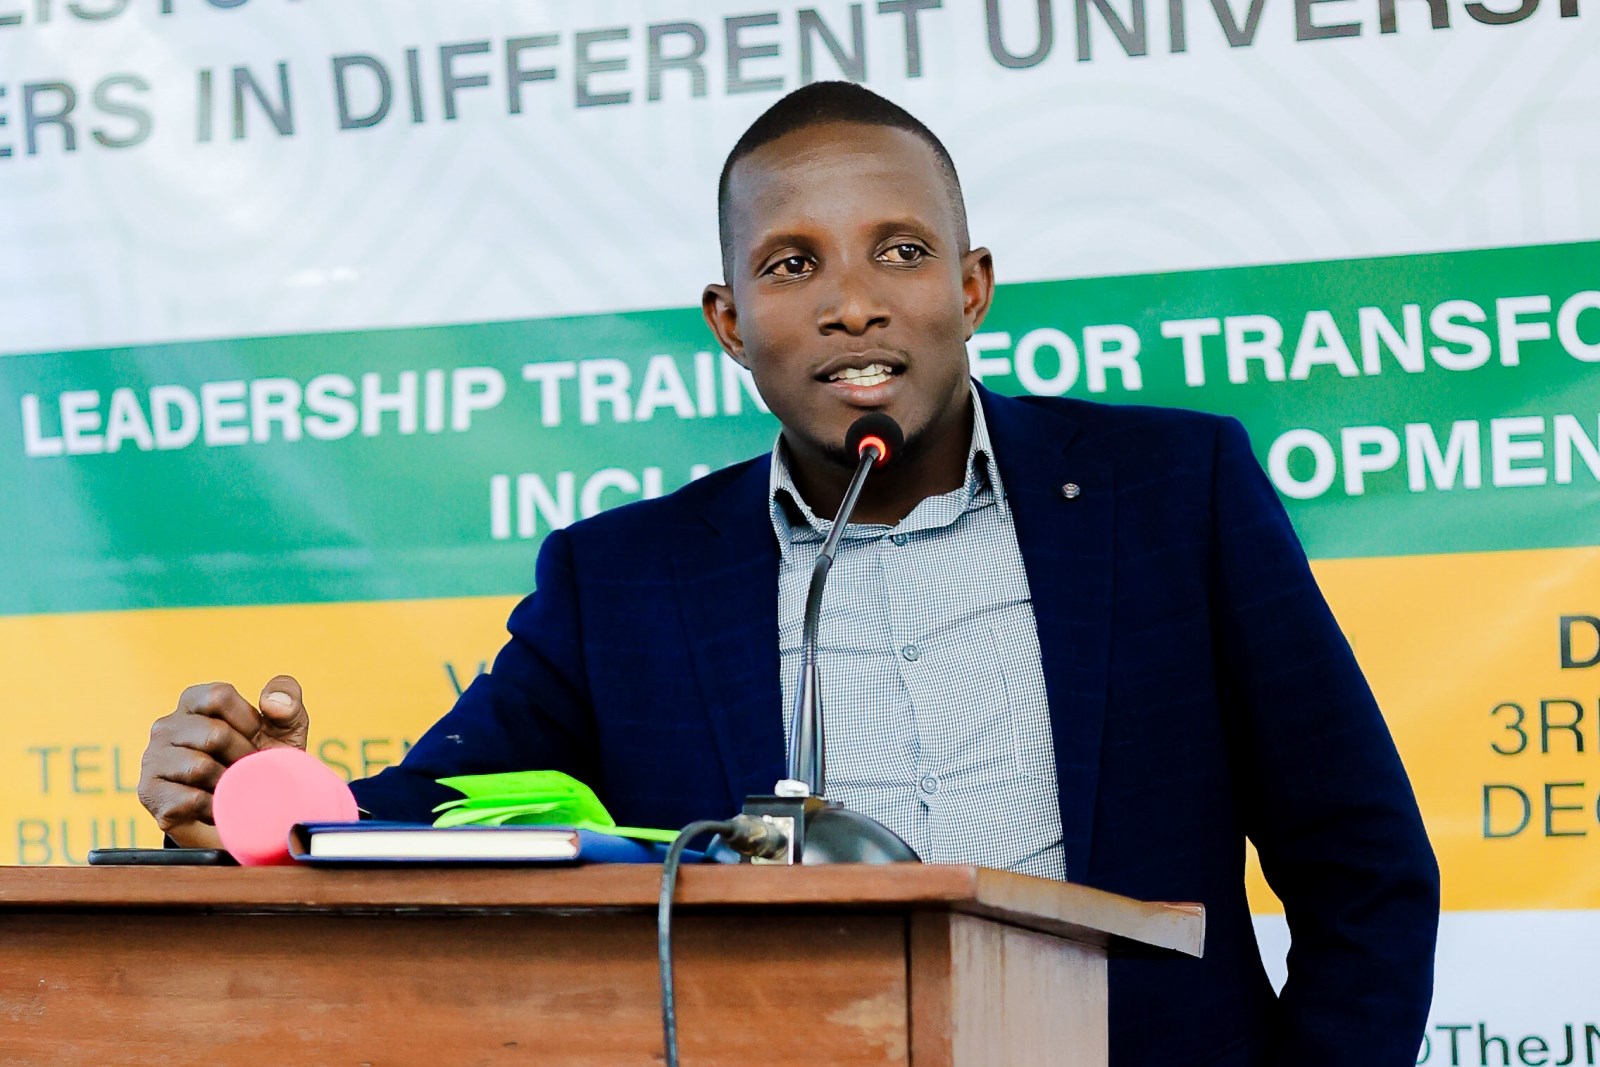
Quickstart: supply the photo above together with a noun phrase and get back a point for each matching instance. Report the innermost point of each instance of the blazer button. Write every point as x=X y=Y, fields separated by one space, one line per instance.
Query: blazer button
x=1071 y=490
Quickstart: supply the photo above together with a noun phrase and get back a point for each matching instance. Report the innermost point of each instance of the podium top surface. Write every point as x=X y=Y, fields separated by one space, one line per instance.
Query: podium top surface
x=1075 y=912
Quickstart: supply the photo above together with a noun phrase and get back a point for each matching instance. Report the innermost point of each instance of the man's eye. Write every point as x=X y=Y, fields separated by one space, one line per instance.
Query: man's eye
x=789 y=266
x=905 y=252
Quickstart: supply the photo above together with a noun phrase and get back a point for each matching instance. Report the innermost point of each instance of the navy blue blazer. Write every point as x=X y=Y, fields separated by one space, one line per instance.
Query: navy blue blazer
x=1200 y=693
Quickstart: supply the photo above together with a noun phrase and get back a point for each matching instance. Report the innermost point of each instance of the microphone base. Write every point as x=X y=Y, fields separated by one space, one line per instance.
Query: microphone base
x=825 y=831
x=835 y=834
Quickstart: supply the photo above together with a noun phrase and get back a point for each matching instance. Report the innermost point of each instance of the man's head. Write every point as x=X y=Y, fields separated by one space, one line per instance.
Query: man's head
x=850 y=284
x=825 y=102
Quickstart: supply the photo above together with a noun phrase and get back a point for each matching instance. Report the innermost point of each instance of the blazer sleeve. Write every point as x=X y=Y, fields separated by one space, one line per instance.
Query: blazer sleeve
x=532 y=709
x=1326 y=799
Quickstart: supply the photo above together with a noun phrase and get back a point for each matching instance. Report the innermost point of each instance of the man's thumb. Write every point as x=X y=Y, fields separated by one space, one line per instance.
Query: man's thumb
x=279 y=708
x=283 y=714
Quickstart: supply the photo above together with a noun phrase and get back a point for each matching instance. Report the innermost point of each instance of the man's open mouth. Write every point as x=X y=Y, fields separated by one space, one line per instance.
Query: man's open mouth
x=866 y=377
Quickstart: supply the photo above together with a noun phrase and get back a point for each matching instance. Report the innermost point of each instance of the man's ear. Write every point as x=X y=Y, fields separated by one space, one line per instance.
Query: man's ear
x=716 y=304
x=977 y=287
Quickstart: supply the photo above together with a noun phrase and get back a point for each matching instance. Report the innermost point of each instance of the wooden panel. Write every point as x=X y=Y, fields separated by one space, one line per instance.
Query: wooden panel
x=938 y=966
x=1024 y=999
x=447 y=991
x=929 y=970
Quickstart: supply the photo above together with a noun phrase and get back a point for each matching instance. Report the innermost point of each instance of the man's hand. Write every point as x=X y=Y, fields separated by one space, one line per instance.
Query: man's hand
x=211 y=728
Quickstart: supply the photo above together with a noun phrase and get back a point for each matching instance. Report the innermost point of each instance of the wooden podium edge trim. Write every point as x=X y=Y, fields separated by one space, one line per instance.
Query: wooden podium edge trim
x=1089 y=916
x=1076 y=912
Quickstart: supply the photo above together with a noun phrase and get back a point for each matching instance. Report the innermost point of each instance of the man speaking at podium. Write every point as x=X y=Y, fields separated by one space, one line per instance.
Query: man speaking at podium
x=1063 y=638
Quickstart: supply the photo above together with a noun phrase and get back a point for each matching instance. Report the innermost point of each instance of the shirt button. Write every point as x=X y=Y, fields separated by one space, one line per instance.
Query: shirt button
x=930 y=785
x=899 y=539
x=911 y=653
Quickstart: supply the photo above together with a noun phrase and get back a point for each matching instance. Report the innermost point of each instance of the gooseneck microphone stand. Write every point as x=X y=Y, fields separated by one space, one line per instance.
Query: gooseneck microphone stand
x=808 y=749
x=819 y=830
x=796 y=823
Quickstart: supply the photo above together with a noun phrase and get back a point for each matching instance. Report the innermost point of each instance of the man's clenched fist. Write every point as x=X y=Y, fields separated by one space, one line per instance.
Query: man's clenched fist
x=190 y=747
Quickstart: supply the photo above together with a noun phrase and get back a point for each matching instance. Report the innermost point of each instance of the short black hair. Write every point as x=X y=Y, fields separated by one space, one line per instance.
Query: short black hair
x=824 y=102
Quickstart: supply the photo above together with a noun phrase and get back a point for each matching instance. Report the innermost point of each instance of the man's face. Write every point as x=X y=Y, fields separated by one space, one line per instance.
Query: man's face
x=848 y=290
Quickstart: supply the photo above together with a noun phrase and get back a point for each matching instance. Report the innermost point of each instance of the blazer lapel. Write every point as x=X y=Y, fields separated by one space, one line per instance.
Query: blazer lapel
x=1066 y=541
x=730 y=606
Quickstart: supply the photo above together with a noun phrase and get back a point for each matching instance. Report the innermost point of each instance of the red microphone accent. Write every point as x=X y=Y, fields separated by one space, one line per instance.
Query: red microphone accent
x=874 y=441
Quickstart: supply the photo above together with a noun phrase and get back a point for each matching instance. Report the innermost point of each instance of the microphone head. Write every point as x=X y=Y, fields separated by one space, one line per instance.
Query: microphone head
x=875 y=430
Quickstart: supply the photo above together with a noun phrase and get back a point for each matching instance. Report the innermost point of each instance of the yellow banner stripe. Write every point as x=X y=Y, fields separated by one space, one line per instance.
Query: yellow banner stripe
x=1445 y=640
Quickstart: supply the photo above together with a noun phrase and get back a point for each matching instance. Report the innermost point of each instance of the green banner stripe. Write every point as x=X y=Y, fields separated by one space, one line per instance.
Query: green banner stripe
x=412 y=463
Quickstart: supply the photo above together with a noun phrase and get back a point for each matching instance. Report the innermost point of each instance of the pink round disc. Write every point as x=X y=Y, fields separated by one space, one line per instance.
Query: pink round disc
x=262 y=795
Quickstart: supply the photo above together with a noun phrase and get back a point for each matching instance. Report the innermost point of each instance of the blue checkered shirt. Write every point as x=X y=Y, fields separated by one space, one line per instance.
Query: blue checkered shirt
x=934 y=698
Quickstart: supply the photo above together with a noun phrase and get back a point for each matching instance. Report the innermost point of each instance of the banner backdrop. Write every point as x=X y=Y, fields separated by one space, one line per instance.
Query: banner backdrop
x=316 y=317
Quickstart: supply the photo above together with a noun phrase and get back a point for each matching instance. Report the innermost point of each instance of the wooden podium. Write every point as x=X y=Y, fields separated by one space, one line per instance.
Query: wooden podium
x=932 y=966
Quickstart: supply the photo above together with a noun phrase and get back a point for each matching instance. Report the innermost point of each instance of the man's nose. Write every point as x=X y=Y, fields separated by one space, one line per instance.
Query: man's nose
x=853 y=305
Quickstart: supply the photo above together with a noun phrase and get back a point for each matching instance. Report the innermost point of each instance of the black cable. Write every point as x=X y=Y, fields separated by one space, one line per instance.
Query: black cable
x=669 y=882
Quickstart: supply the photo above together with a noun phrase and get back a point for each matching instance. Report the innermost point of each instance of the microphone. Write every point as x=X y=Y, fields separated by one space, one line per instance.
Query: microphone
x=874 y=438
x=820 y=830
x=878 y=431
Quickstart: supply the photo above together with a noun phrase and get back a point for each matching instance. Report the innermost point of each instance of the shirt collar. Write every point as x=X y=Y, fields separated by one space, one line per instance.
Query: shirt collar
x=793 y=519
